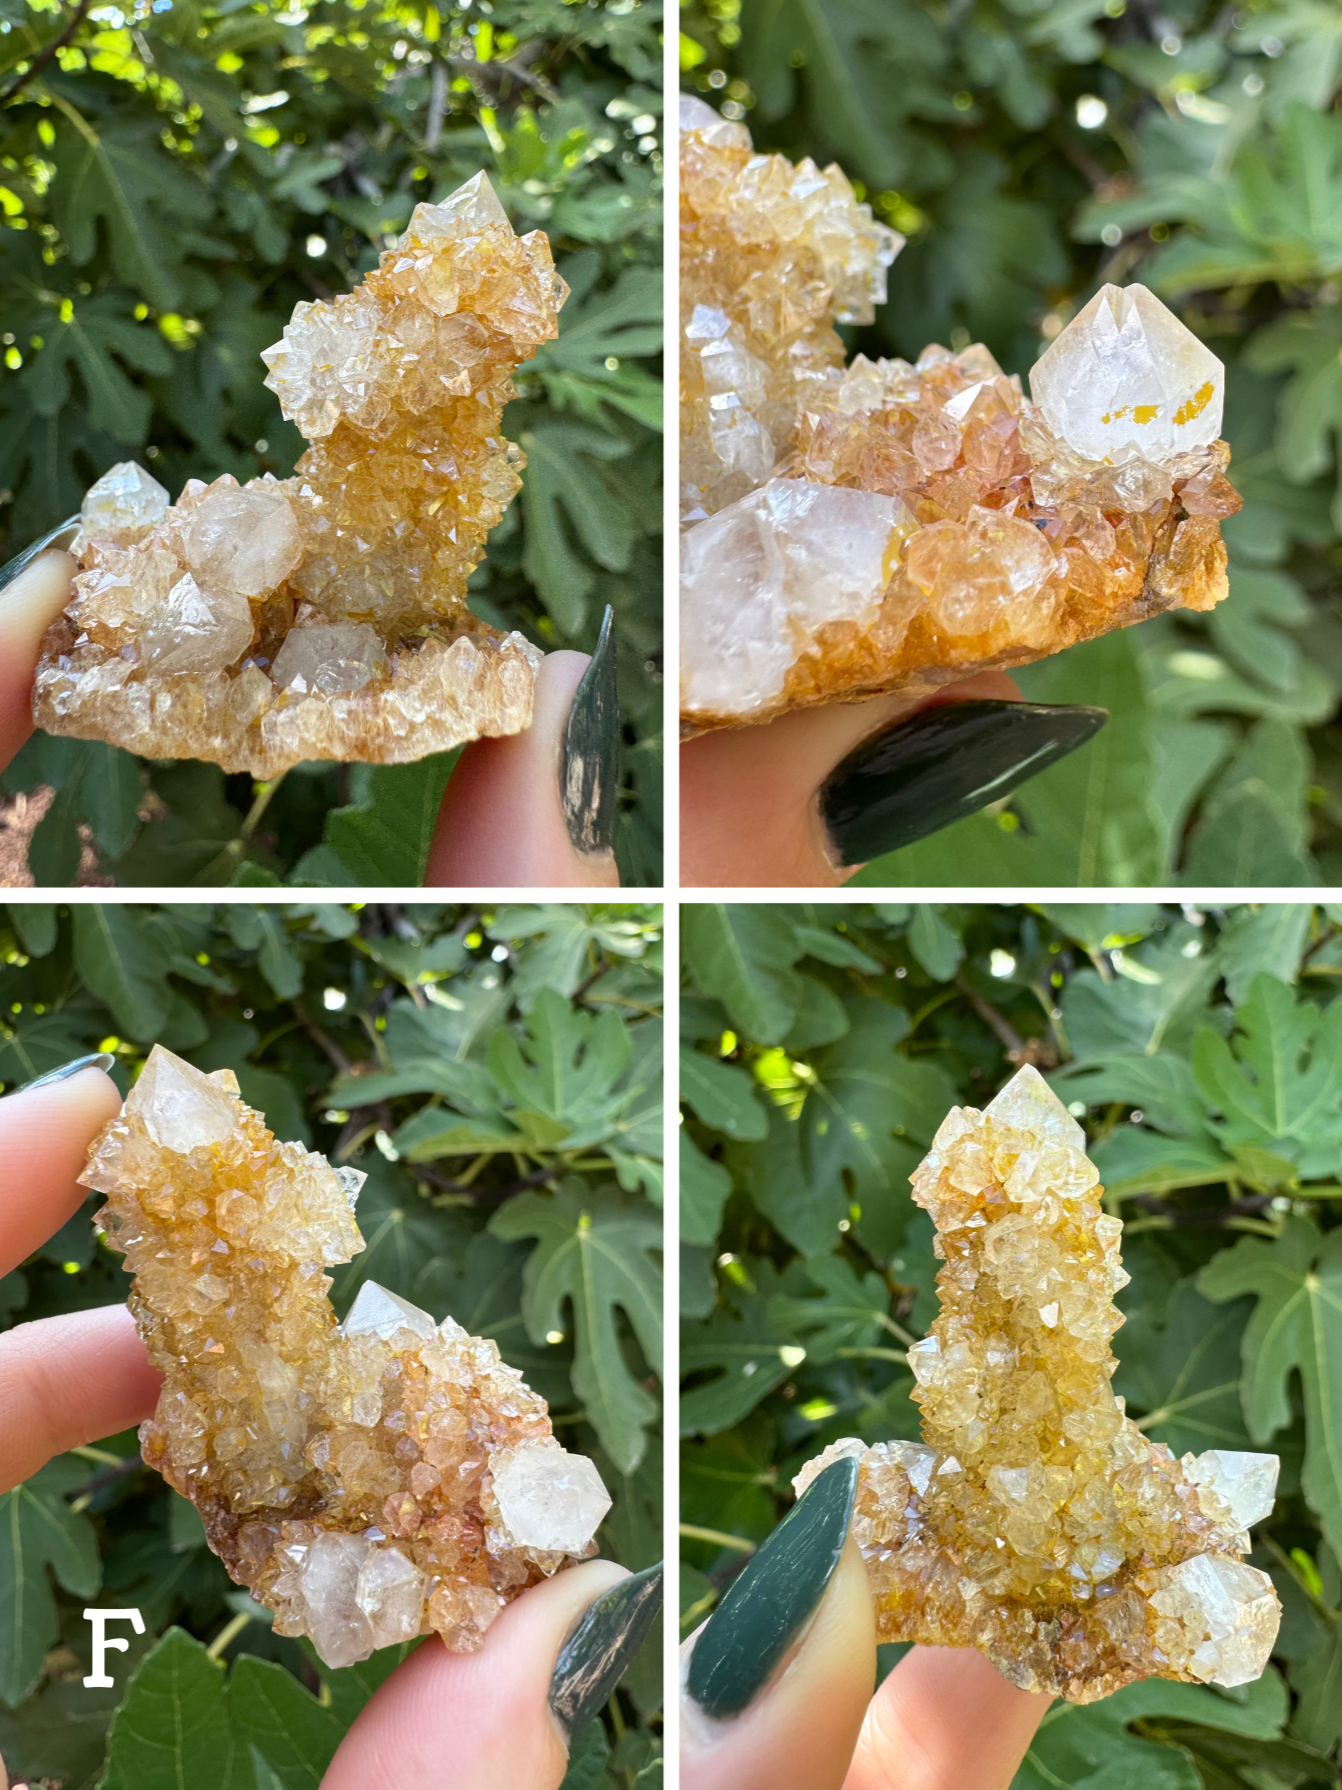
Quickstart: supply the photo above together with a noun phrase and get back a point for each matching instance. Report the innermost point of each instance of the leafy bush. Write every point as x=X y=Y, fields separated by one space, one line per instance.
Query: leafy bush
x=175 y=176
x=343 y=1025
x=821 y=1049
x=1210 y=171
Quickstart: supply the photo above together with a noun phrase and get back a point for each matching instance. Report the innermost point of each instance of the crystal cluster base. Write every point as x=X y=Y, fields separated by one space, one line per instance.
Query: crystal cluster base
x=369 y=1482
x=1015 y=529
x=325 y=616
x=1034 y=1521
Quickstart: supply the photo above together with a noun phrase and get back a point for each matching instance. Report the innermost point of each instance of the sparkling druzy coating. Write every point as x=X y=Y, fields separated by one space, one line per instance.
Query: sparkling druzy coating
x=1034 y=1520
x=1023 y=528
x=324 y=616
x=370 y=1482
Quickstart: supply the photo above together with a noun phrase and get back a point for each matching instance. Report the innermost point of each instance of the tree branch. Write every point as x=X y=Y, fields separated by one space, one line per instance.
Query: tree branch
x=44 y=56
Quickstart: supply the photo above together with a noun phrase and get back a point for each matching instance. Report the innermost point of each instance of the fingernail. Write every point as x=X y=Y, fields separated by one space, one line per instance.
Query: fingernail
x=596 y=1654
x=60 y=536
x=947 y=762
x=589 y=775
x=101 y=1059
x=752 y=1628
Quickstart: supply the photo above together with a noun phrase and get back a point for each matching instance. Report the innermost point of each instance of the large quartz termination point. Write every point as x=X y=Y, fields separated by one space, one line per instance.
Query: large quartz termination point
x=325 y=616
x=1126 y=378
x=1034 y=1520
x=370 y=1482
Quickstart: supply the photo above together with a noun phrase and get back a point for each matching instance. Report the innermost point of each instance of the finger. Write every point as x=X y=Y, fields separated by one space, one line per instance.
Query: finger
x=945 y=1719
x=780 y=1697
x=537 y=809
x=476 y=1721
x=69 y=1380
x=808 y=799
x=45 y=1133
x=29 y=602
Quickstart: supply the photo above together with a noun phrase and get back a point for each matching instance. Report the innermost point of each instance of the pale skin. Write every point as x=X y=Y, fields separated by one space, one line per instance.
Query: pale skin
x=441 y=1721
x=501 y=824
x=942 y=1720
x=749 y=816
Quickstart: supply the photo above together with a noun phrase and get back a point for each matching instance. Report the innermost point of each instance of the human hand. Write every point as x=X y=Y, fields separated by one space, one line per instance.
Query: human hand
x=534 y=810
x=806 y=800
x=68 y=1380
x=776 y=1687
x=503 y=1718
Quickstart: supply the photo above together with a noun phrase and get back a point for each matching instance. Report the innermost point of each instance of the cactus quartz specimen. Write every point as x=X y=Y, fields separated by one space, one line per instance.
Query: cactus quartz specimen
x=883 y=526
x=369 y=1482
x=1034 y=1520
x=324 y=616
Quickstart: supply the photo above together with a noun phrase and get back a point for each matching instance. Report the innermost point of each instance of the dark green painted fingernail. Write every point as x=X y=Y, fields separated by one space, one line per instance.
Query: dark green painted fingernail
x=947 y=762
x=589 y=774
x=756 y=1622
x=101 y=1059
x=60 y=536
x=597 y=1653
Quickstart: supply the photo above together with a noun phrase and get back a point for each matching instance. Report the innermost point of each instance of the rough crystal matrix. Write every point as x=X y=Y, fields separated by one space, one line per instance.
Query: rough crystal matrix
x=959 y=526
x=324 y=616
x=1034 y=1521
x=370 y=1482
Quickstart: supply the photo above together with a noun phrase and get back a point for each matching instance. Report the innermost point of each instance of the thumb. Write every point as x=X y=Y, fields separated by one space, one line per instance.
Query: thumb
x=34 y=588
x=777 y=1681
x=537 y=809
x=500 y=1719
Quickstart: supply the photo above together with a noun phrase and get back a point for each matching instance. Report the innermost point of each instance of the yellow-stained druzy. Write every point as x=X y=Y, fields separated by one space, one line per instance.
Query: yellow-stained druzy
x=369 y=1482
x=325 y=615
x=887 y=525
x=1034 y=1520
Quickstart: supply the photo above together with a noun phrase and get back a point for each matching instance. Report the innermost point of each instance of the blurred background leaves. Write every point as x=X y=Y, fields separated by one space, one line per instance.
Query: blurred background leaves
x=175 y=175
x=1030 y=150
x=1200 y=1048
x=497 y=1073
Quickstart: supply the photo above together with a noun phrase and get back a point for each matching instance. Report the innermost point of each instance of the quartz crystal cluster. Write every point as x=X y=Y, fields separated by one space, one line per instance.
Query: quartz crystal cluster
x=887 y=526
x=1035 y=1521
x=324 y=616
x=369 y=1482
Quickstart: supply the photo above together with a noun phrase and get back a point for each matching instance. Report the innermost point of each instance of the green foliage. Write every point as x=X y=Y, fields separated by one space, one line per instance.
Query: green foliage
x=1213 y=178
x=497 y=1073
x=1199 y=1049
x=173 y=180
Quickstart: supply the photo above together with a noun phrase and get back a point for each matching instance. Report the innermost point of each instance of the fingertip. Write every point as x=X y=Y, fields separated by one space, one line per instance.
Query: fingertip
x=45 y=1133
x=30 y=600
x=502 y=821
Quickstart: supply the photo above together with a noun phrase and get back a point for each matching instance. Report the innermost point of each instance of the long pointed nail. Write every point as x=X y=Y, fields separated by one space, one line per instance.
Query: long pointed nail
x=589 y=774
x=948 y=761
x=60 y=536
x=598 y=1652
x=776 y=1595
x=100 y=1059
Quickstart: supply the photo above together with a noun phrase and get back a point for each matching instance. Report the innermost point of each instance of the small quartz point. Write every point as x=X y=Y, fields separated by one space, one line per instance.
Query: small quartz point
x=1034 y=1520
x=369 y=1482
x=1024 y=528
x=325 y=616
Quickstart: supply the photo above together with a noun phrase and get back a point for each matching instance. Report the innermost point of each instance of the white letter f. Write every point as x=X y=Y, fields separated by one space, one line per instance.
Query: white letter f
x=101 y=1642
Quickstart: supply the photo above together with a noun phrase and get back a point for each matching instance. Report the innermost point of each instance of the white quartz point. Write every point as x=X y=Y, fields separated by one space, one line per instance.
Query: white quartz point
x=192 y=632
x=390 y=1592
x=711 y=125
x=474 y=202
x=329 y=1586
x=337 y=658
x=760 y=577
x=243 y=540
x=123 y=504
x=182 y=1108
x=376 y=1312
x=548 y=1498
x=1227 y=1616
x=1124 y=376
x=1247 y=1482
x=1027 y=1103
